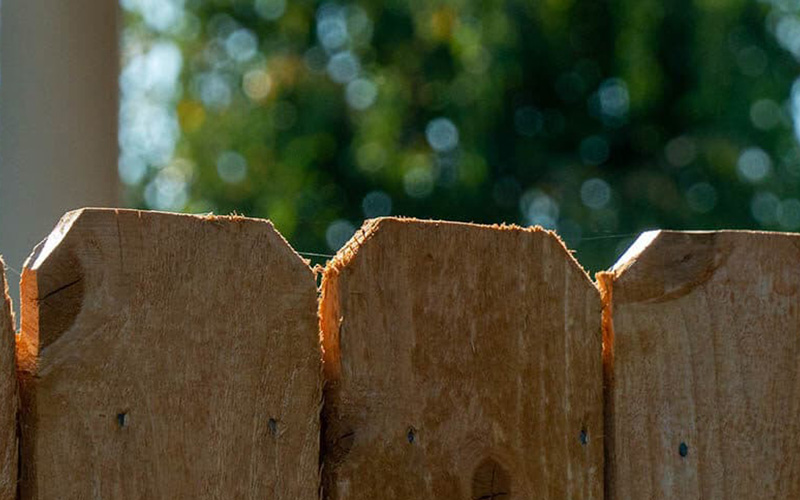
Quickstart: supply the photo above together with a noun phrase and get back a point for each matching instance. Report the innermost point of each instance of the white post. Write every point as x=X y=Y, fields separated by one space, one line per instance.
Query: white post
x=59 y=68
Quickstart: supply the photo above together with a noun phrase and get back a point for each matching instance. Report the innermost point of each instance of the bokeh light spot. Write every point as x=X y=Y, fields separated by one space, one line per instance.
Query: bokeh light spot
x=795 y=101
x=371 y=157
x=765 y=114
x=169 y=190
x=614 y=100
x=764 y=208
x=754 y=164
x=361 y=93
x=231 y=167
x=539 y=209
x=442 y=135
x=132 y=169
x=681 y=151
x=595 y=193
x=331 y=26
x=214 y=90
x=270 y=9
x=241 y=45
x=257 y=83
x=418 y=182
x=337 y=234
x=376 y=204
x=159 y=15
x=343 y=67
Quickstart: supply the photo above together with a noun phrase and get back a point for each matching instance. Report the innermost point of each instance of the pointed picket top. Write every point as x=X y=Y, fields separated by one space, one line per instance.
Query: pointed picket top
x=374 y=230
x=450 y=351
x=168 y=356
x=86 y=253
x=373 y=227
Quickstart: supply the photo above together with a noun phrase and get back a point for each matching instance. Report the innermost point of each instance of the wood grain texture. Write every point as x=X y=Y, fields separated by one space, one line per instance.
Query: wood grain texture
x=8 y=396
x=703 y=330
x=461 y=362
x=168 y=356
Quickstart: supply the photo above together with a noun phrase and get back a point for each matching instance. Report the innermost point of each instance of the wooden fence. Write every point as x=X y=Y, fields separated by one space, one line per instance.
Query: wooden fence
x=174 y=356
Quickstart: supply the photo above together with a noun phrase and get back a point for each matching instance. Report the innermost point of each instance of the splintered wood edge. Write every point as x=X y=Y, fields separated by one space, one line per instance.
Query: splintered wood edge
x=329 y=307
x=27 y=348
x=8 y=438
x=8 y=311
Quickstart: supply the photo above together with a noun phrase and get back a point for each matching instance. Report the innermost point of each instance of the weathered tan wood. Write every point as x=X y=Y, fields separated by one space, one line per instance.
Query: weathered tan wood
x=461 y=362
x=703 y=330
x=168 y=356
x=8 y=396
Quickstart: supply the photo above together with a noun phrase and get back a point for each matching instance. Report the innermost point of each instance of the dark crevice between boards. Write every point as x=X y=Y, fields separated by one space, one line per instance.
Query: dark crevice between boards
x=605 y=283
x=328 y=317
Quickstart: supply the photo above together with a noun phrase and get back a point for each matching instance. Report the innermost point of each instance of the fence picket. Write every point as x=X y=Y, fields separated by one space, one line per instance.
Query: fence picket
x=461 y=361
x=703 y=367
x=168 y=356
x=8 y=396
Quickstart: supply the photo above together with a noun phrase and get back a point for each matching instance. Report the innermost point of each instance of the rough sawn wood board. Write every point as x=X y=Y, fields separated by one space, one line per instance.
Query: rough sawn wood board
x=461 y=362
x=703 y=367
x=168 y=356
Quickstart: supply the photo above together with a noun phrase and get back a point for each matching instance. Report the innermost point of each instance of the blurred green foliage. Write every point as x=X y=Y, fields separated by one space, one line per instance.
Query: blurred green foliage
x=598 y=119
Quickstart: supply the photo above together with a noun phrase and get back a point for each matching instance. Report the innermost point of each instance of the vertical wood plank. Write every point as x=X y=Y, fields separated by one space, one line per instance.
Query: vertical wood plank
x=168 y=356
x=704 y=396
x=461 y=361
x=8 y=396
